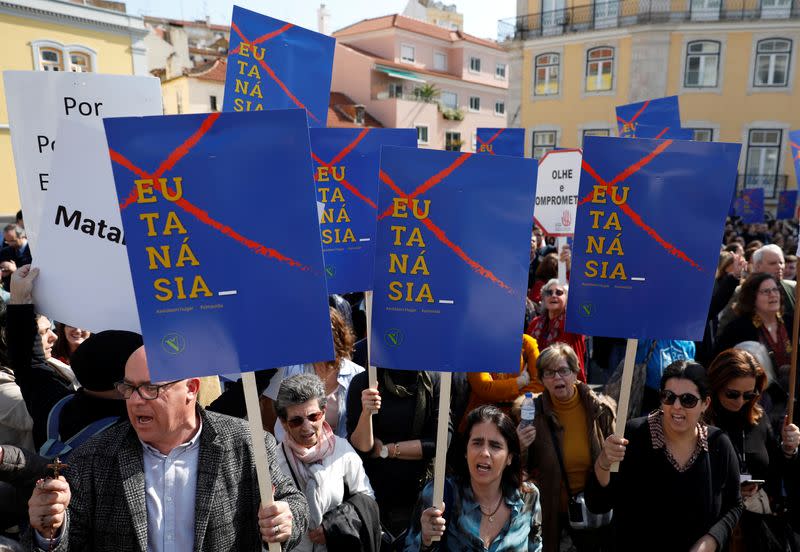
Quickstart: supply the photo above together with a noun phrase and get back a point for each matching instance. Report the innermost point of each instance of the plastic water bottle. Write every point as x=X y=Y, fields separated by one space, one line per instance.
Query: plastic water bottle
x=528 y=411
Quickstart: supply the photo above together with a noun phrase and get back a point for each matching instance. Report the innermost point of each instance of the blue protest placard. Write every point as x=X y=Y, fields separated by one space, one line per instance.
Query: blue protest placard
x=649 y=223
x=346 y=162
x=750 y=205
x=649 y=119
x=276 y=65
x=221 y=225
x=663 y=133
x=501 y=141
x=787 y=205
x=452 y=260
x=794 y=141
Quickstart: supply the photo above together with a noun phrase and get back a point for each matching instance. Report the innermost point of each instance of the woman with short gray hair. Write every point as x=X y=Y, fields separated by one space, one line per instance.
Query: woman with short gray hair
x=323 y=466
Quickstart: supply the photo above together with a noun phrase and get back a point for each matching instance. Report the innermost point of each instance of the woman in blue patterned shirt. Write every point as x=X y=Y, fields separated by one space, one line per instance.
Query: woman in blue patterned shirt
x=486 y=508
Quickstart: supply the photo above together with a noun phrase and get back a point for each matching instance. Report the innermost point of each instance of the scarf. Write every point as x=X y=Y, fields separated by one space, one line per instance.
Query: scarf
x=424 y=394
x=546 y=331
x=302 y=458
x=780 y=349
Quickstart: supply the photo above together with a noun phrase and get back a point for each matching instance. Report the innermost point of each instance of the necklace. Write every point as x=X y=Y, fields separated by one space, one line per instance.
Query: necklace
x=491 y=516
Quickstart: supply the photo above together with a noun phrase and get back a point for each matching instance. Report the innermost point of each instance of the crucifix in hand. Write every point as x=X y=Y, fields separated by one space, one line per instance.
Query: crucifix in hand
x=57 y=466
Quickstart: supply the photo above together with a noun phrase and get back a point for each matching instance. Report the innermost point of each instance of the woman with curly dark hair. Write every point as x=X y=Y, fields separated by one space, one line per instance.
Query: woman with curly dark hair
x=485 y=503
x=759 y=312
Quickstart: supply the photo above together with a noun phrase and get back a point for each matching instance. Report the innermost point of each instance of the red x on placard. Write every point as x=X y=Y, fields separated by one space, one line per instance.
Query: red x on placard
x=796 y=150
x=429 y=224
x=629 y=124
x=337 y=158
x=489 y=141
x=266 y=67
x=635 y=217
x=201 y=215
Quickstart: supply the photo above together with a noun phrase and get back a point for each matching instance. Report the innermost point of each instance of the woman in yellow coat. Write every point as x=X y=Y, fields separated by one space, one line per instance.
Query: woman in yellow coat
x=502 y=388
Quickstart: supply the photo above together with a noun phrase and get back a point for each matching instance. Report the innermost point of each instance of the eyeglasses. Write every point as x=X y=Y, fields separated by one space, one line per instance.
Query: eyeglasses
x=687 y=399
x=549 y=292
x=550 y=374
x=733 y=394
x=147 y=391
x=769 y=291
x=297 y=421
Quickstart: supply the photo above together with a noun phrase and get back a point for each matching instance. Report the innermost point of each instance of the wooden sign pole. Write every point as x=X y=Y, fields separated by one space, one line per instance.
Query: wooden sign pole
x=625 y=392
x=442 y=423
x=372 y=373
x=793 y=367
x=259 y=447
x=562 y=266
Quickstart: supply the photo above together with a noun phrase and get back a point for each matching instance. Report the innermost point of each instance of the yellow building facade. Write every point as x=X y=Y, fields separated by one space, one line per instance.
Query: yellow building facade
x=48 y=35
x=734 y=68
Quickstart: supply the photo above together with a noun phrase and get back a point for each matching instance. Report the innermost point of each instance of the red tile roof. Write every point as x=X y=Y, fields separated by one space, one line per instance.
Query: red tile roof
x=212 y=71
x=413 y=25
x=183 y=23
x=342 y=113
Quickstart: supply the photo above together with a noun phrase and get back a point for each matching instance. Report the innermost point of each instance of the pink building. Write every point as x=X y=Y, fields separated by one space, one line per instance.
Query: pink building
x=408 y=73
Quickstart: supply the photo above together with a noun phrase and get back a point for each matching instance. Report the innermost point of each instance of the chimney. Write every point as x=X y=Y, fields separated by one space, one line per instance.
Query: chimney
x=323 y=19
x=359 y=114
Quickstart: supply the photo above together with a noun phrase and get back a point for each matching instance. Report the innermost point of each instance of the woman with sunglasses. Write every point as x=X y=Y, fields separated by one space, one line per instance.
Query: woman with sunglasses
x=678 y=482
x=548 y=328
x=322 y=465
x=486 y=505
x=759 y=311
x=573 y=418
x=736 y=381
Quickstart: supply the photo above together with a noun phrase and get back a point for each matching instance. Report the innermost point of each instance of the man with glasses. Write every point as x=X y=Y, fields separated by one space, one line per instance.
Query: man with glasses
x=173 y=477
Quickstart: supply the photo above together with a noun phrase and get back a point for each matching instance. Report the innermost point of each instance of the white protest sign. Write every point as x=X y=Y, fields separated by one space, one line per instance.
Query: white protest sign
x=38 y=100
x=84 y=279
x=557 y=184
x=557 y=192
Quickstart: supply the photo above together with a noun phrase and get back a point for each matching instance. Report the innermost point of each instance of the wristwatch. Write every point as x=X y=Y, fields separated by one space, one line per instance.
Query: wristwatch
x=384 y=453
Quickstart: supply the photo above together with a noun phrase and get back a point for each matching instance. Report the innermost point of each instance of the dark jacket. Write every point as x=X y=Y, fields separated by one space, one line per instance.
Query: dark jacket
x=107 y=511
x=666 y=509
x=542 y=465
x=354 y=525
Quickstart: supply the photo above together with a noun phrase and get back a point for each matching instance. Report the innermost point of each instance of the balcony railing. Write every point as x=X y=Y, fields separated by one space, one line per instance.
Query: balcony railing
x=771 y=183
x=625 y=13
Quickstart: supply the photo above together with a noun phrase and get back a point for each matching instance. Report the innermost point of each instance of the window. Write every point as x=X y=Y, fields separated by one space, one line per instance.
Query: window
x=449 y=99
x=546 y=75
x=595 y=132
x=178 y=102
x=452 y=141
x=599 y=69
x=499 y=108
x=703 y=135
x=763 y=156
x=440 y=61
x=422 y=135
x=407 y=53
x=212 y=101
x=49 y=55
x=772 y=62
x=474 y=142
x=50 y=59
x=474 y=103
x=80 y=62
x=475 y=65
x=395 y=90
x=500 y=71
x=543 y=142
x=702 y=64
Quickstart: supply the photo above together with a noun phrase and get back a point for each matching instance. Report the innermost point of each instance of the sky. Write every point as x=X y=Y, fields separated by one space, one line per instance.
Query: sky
x=480 y=16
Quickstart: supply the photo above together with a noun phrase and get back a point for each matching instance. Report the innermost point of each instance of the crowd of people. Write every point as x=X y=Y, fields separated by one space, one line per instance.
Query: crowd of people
x=708 y=460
